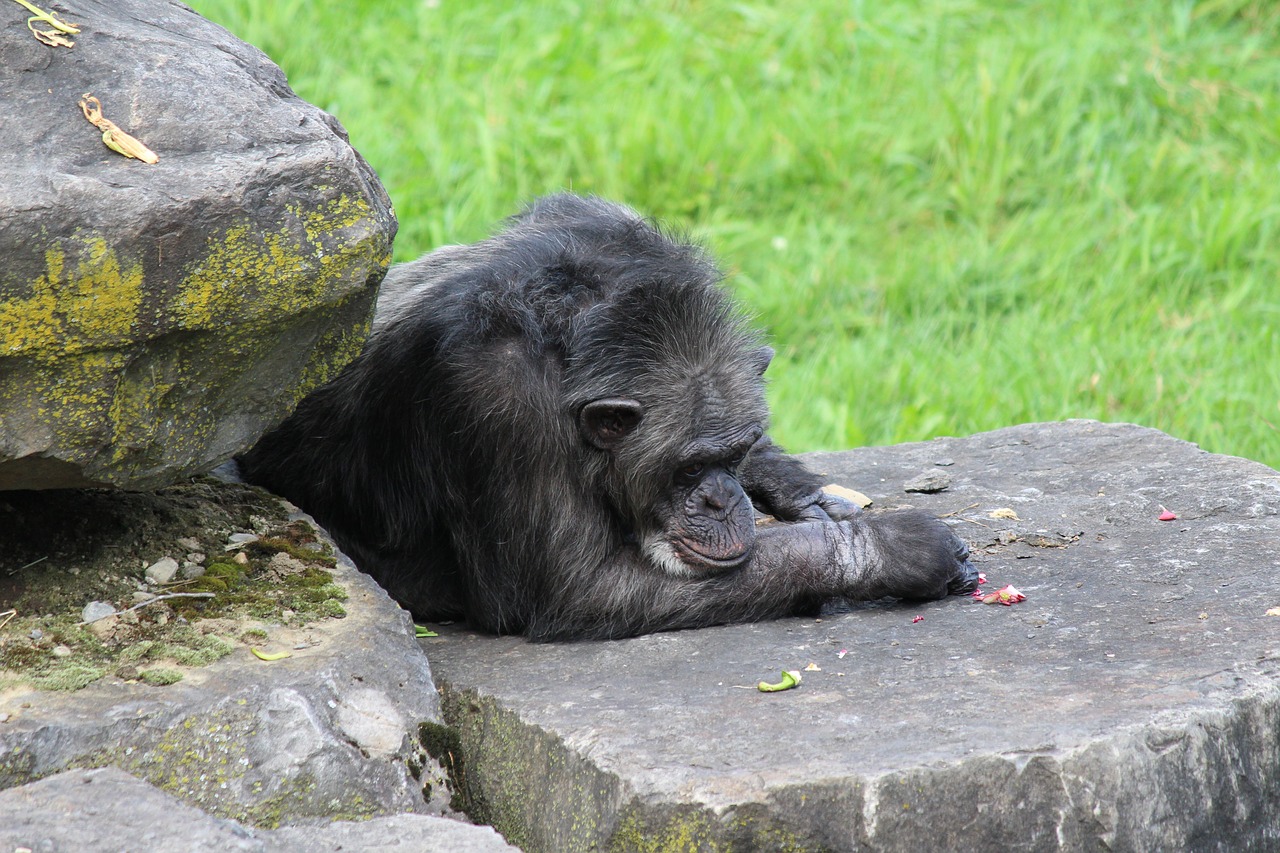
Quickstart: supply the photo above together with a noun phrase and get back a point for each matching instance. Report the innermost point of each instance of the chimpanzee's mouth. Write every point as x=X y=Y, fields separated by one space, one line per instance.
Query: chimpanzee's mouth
x=724 y=561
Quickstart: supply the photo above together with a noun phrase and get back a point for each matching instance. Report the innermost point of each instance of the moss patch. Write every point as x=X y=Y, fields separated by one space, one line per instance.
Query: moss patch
x=64 y=549
x=160 y=677
x=76 y=316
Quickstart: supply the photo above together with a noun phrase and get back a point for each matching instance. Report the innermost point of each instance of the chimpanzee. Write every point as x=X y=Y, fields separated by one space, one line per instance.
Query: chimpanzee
x=560 y=432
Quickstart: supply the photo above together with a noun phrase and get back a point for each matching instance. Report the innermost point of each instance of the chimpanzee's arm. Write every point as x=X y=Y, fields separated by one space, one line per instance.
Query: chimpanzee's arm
x=793 y=569
x=781 y=486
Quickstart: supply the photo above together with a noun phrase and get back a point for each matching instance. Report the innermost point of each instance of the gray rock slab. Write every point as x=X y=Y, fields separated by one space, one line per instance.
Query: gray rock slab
x=331 y=731
x=157 y=319
x=1131 y=702
x=108 y=809
x=409 y=833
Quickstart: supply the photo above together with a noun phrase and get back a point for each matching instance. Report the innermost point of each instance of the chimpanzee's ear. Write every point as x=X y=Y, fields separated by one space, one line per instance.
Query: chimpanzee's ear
x=761 y=358
x=605 y=423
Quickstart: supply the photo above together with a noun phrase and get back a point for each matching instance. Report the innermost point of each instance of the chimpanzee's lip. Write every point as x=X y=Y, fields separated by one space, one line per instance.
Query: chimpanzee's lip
x=695 y=559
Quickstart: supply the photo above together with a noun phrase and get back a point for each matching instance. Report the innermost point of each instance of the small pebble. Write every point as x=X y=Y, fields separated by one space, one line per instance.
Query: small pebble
x=191 y=571
x=241 y=558
x=162 y=571
x=235 y=540
x=140 y=596
x=36 y=634
x=95 y=610
x=61 y=651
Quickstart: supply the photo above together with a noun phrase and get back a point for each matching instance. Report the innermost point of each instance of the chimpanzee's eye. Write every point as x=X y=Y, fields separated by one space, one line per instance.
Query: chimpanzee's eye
x=691 y=473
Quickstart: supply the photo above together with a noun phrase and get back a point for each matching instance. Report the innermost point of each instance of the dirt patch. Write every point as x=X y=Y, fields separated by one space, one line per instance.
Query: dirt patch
x=185 y=575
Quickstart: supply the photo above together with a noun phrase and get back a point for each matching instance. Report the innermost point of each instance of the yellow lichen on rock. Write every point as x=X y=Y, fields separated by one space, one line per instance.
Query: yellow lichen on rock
x=297 y=260
x=69 y=311
x=109 y=364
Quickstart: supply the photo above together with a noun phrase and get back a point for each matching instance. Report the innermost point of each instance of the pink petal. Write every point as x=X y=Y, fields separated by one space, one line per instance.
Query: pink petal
x=1007 y=595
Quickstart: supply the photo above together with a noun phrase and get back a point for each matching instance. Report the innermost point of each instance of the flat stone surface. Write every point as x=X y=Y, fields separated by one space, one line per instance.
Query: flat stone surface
x=108 y=809
x=1131 y=702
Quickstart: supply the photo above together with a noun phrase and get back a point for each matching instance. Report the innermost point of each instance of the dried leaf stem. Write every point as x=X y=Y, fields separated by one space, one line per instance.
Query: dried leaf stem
x=54 y=37
x=112 y=136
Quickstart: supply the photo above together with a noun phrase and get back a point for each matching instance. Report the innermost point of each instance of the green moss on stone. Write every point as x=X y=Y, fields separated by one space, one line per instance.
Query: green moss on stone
x=160 y=676
x=44 y=646
x=333 y=609
x=271 y=545
x=71 y=675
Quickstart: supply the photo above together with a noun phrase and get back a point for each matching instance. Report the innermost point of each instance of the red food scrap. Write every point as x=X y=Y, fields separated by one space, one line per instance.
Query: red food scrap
x=917 y=619
x=1007 y=595
x=1167 y=515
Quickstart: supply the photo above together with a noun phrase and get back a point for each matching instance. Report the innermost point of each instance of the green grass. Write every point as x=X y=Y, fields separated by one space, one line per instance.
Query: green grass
x=952 y=216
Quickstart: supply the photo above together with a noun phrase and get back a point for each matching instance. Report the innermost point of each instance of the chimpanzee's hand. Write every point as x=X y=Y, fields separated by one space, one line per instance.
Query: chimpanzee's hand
x=822 y=506
x=837 y=508
x=907 y=554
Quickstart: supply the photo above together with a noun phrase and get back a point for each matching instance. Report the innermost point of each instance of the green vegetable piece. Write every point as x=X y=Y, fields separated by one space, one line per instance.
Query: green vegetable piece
x=790 y=678
x=420 y=631
x=261 y=655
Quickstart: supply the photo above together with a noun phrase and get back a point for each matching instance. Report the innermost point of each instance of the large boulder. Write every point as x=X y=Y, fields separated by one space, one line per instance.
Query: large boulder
x=156 y=319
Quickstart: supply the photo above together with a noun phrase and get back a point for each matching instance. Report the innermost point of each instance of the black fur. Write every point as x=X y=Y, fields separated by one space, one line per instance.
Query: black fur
x=544 y=435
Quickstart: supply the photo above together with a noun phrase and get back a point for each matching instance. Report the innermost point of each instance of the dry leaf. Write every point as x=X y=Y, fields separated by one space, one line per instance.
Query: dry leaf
x=56 y=37
x=112 y=136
